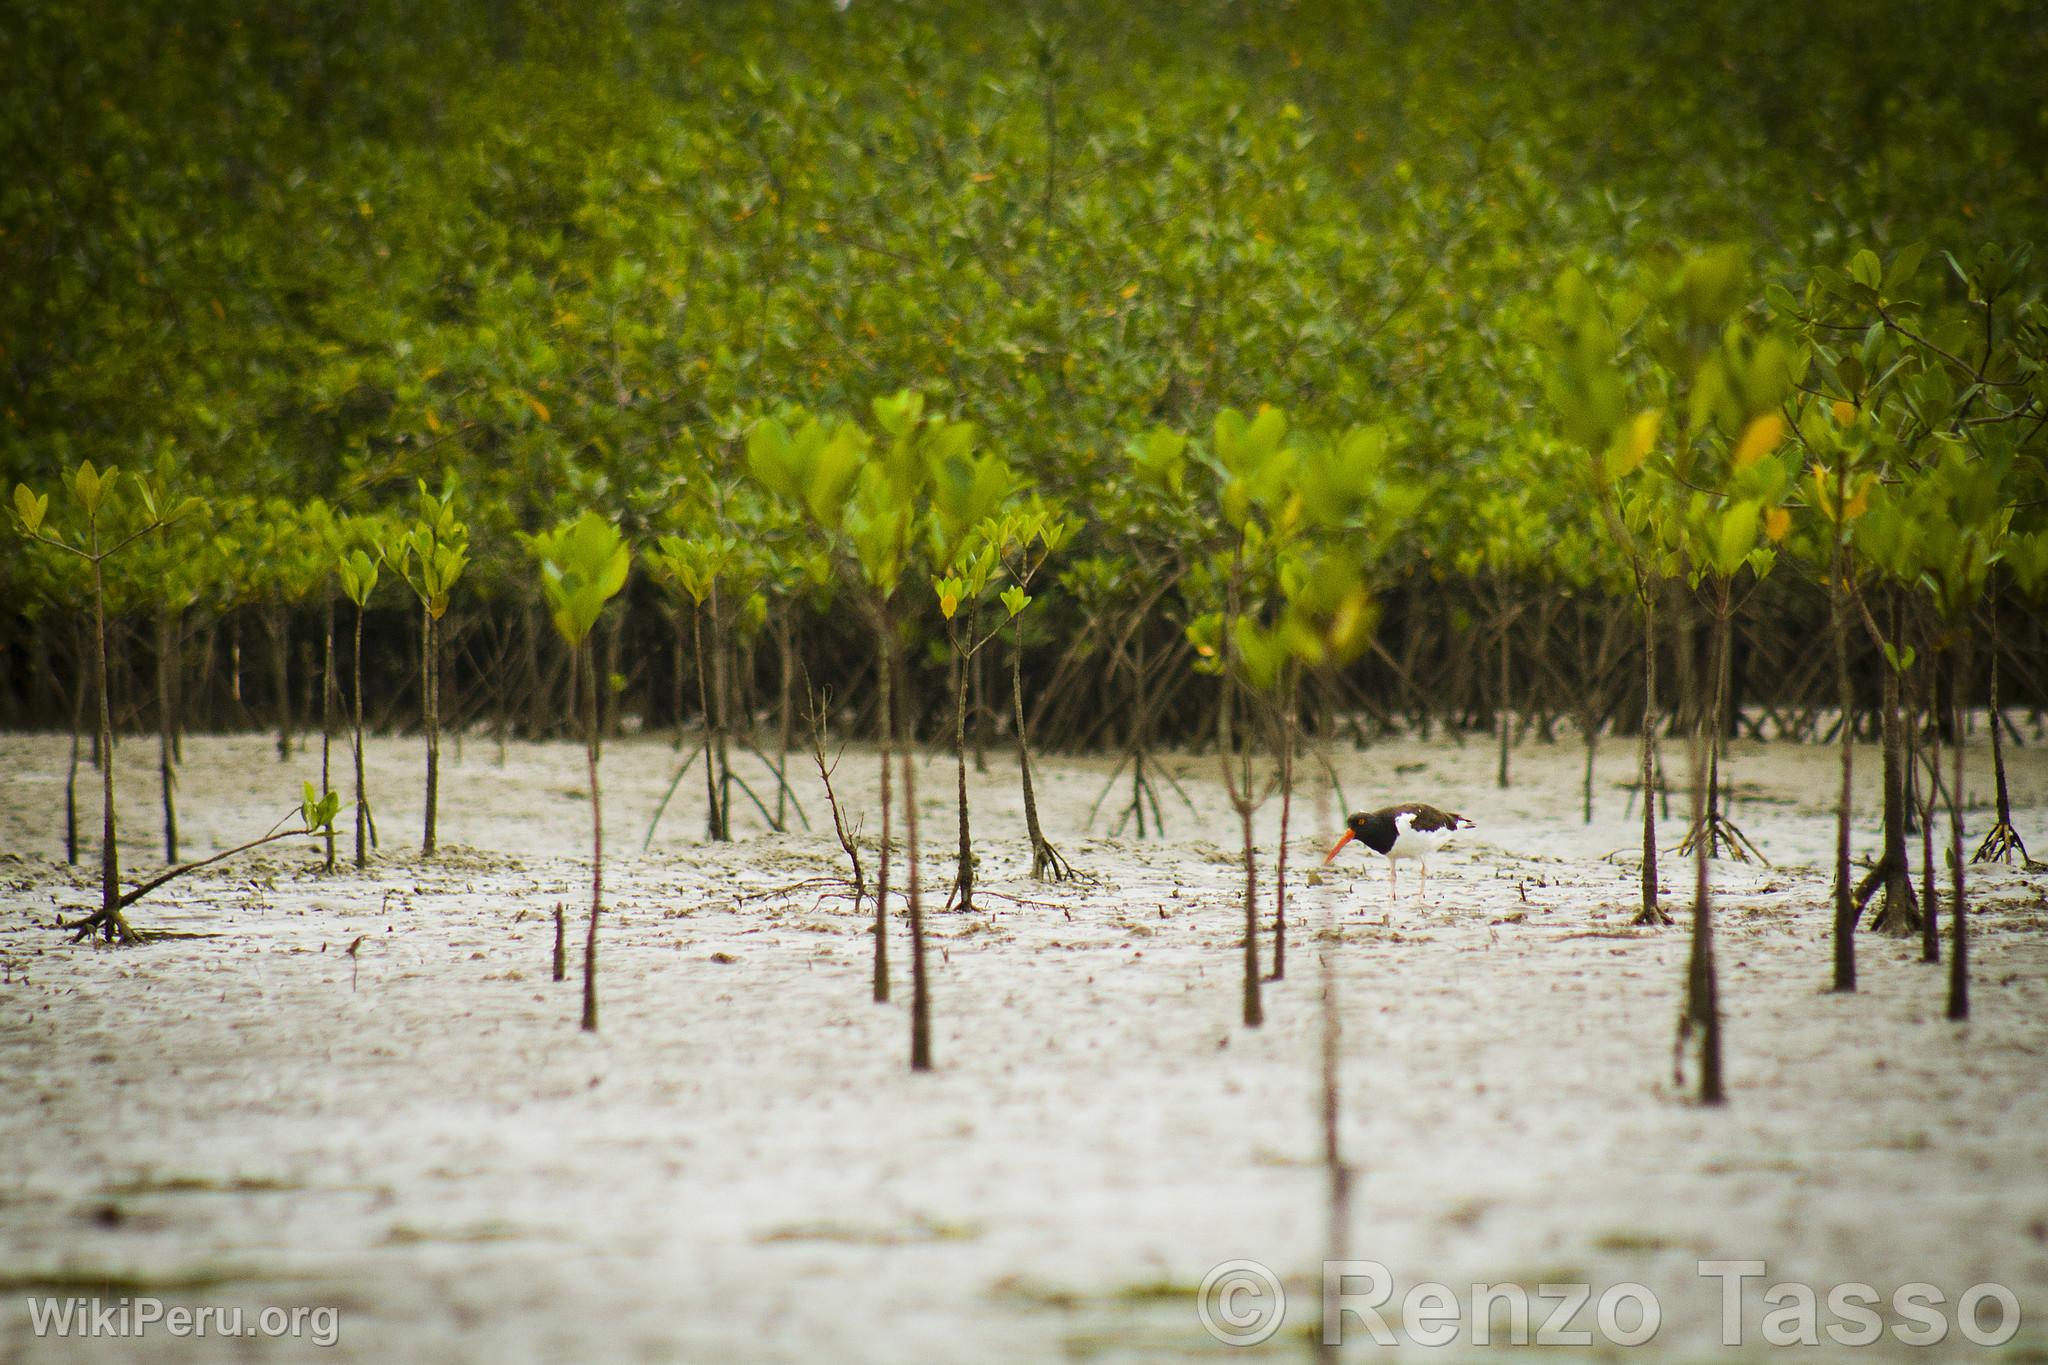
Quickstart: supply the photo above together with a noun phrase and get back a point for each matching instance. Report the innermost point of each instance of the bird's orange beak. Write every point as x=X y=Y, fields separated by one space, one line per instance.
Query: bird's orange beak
x=1338 y=848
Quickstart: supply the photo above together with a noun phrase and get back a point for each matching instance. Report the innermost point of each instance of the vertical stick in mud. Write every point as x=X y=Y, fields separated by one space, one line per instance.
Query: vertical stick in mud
x=1958 y=908
x=362 y=798
x=965 y=876
x=1286 y=809
x=327 y=712
x=884 y=656
x=1651 y=913
x=714 y=821
x=1702 y=1005
x=166 y=662
x=78 y=695
x=561 y=944
x=920 y=993
x=115 y=927
x=430 y=688
x=596 y=852
x=1506 y=717
x=1845 y=692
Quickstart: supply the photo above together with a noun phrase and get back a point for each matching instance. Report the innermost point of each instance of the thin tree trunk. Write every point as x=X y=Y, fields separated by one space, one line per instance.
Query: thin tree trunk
x=1651 y=913
x=1287 y=727
x=1845 y=692
x=79 y=691
x=166 y=664
x=785 y=716
x=721 y=701
x=1506 y=715
x=885 y=666
x=1958 y=907
x=920 y=989
x=430 y=692
x=596 y=854
x=326 y=712
x=277 y=621
x=1044 y=860
x=1703 y=1009
x=113 y=925
x=1898 y=914
x=714 y=813
x=965 y=876
x=362 y=794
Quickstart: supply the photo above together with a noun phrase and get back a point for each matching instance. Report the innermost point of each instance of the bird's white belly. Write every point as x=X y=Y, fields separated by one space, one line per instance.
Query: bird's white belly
x=1410 y=842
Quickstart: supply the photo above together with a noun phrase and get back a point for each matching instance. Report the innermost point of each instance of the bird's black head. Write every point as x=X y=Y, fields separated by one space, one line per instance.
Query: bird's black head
x=1373 y=829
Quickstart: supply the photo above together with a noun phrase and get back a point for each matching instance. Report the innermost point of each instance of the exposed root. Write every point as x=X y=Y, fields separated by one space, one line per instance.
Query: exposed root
x=1047 y=865
x=2000 y=845
x=1724 y=837
x=1651 y=916
x=111 y=925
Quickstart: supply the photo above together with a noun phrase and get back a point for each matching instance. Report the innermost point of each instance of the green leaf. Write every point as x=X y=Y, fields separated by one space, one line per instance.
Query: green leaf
x=30 y=508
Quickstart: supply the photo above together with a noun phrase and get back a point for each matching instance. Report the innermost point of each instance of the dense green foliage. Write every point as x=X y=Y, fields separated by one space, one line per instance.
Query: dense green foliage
x=568 y=254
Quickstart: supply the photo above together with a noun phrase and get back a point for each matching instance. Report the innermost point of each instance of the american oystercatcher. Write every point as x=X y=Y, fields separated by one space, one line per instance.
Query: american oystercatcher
x=1410 y=830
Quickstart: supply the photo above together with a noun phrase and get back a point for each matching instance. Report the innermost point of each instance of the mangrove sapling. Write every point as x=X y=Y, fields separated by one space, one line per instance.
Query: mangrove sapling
x=1726 y=534
x=1958 y=905
x=583 y=565
x=2025 y=557
x=1030 y=537
x=965 y=540
x=327 y=706
x=358 y=581
x=1590 y=392
x=1962 y=514
x=109 y=528
x=1837 y=446
x=864 y=496
x=430 y=556
x=316 y=812
x=820 y=707
x=691 y=568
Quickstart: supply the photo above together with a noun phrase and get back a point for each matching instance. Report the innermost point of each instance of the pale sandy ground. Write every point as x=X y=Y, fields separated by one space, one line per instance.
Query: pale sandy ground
x=740 y=1166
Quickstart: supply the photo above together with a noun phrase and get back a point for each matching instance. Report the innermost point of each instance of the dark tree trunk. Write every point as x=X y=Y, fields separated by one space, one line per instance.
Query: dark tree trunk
x=596 y=853
x=1845 y=693
x=715 y=826
x=885 y=653
x=79 y=691
x=277 y=622
x=327 y=711
x=920 y=988
x=1045 y=860
x=964 y=877
x=166 y=724
x=362 y=793
x=1958 y=907
x=430 y=690
x=1287 y=727
x=1652 y=912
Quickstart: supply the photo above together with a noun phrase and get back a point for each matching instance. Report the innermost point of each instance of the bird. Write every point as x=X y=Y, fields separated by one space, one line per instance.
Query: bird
x=1409 y=830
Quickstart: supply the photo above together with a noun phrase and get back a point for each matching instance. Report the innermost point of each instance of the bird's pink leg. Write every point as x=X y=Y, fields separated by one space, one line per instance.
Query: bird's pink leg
x=1393 y=881
x=1425 y=881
